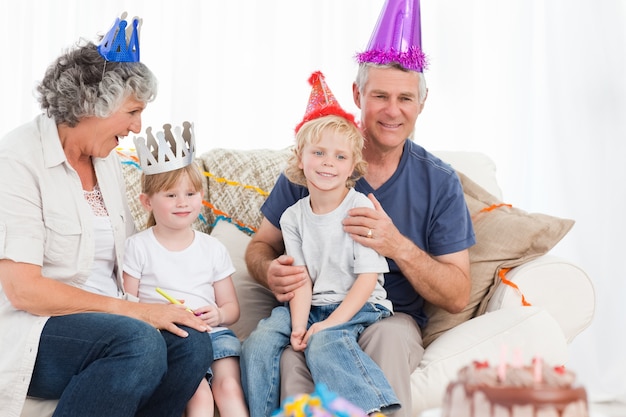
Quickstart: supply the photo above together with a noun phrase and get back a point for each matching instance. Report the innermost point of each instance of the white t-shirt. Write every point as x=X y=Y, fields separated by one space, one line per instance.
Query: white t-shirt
x=331 y=256
x=188 y=274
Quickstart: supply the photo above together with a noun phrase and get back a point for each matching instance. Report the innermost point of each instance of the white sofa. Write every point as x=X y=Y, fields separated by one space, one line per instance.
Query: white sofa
x=560 y=293
x=562 y=298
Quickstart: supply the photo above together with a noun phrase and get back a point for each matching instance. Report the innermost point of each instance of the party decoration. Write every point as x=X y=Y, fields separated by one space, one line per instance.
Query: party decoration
x=322 y=102
x=121 y=43
x=170 y=150
x=397 y=37
x=321 y=403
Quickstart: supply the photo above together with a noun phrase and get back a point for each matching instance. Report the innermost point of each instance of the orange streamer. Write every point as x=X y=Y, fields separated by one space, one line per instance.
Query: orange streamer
x=221 y=213
x=121 y=153
x=511 y=284
x=495 y=206
x=236 y=184
x=490 y=208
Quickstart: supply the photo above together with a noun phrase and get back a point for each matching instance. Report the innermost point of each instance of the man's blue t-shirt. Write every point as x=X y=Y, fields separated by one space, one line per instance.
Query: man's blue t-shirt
x=425 y=200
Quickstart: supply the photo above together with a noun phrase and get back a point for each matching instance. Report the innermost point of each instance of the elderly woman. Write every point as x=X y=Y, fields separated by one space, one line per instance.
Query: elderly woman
x=67 y=330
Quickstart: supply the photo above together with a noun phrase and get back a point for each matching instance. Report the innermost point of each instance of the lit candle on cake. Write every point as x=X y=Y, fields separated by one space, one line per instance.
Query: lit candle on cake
x=537 y=369
x=502 y=364
x=518 y=358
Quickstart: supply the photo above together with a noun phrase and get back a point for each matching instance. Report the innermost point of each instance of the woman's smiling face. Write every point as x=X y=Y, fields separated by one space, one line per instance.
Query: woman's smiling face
x=107 y=131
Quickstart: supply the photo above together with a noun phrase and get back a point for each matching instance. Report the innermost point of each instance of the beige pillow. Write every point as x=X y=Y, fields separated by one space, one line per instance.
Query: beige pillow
x=132 y=178
x=239 y=181
x=505 y=237
x=255 y=301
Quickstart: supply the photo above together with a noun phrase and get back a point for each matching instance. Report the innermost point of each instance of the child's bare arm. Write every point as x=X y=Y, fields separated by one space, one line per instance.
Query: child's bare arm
x=227 y=310
x=300 y=307
x=131 y=284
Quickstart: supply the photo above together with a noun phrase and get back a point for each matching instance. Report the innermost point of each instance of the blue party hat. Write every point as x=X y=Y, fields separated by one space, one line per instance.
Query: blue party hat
x=121 y=43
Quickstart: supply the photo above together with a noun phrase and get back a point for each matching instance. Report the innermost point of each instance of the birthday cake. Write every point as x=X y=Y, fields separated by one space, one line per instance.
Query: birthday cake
x=320 y=403
x=515 y=391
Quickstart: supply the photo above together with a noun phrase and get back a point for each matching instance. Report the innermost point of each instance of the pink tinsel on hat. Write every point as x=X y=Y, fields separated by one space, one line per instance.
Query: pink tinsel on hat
x=413 y=59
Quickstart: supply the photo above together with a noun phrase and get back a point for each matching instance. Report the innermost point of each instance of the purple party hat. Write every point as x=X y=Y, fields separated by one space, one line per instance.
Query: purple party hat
x=121 y=43
x=397 y=37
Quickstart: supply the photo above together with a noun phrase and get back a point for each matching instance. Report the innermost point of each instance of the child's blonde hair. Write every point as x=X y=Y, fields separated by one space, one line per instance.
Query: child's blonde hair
x=154 y=183
x=311 y=133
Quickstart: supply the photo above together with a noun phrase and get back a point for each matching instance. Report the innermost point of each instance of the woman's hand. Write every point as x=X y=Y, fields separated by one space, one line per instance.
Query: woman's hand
x=168 y=316
x=29 y=291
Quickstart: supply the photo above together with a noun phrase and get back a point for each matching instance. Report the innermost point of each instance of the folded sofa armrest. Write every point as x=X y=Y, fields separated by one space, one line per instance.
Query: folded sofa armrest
x=555 y=284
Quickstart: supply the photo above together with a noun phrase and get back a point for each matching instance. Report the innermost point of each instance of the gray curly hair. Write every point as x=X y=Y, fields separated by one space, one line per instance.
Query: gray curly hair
x=81 y=83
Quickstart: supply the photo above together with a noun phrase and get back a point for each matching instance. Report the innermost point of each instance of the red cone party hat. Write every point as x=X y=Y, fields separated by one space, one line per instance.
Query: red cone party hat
x=322 y=102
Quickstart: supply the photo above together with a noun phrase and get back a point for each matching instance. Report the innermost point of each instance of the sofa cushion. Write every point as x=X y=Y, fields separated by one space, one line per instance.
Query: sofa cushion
x=505 y=237
x=239 y=181
x=255 y=301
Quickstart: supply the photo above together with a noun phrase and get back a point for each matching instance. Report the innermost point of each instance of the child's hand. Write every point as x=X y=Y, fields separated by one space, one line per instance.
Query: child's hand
x=297 y=339
x=210 y=314
x=316 y=327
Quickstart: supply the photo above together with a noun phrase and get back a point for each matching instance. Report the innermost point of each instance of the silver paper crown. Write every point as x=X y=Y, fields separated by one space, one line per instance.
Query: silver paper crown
x=170 y=150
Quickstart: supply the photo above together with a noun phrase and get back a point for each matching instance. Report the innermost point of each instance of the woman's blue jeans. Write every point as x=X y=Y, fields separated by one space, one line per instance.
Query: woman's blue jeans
x=333 y=356
x=100 y=364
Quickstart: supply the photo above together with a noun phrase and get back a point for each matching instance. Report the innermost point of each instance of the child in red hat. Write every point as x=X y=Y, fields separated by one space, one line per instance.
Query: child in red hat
x=345 y=292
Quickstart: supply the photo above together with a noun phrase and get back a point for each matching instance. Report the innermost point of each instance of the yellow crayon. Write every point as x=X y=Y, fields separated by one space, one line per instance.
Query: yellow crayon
x=170 y=298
